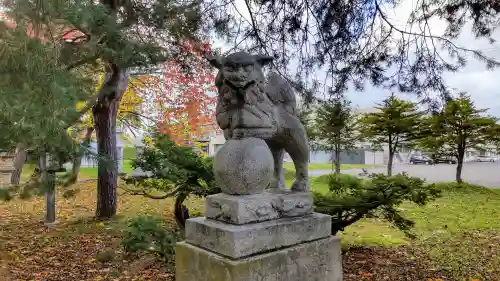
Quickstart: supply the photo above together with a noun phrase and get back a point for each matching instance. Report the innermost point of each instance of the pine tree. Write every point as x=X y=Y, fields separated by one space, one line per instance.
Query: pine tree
x=458 y=127
x=82 y=37
x=335 y=128
x=397 y=122
x=37 y=92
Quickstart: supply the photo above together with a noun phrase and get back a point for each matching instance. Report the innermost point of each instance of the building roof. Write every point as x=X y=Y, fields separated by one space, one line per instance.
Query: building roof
x=67 y=34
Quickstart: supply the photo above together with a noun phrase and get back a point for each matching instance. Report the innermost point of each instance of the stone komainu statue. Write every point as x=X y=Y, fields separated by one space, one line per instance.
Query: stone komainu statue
x=250 y=106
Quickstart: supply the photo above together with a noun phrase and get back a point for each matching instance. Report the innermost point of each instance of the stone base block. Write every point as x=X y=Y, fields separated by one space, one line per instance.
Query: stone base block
x=271 y=204
x=318 y=260
x=236 y=241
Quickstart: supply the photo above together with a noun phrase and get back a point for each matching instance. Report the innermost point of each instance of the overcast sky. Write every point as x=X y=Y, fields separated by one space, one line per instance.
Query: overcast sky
x=474 y=79
x=480 y=83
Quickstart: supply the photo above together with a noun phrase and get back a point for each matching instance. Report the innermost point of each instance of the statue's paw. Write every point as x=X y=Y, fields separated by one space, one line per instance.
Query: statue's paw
x=275 y=184
x=301 y=185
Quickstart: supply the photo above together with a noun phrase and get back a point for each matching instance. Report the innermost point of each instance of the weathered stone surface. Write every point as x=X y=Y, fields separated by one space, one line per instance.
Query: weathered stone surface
x=6 y=168
x=243 y=166
x=236 y=241
x=249 y=105
x=319 y=260
x=271 y=204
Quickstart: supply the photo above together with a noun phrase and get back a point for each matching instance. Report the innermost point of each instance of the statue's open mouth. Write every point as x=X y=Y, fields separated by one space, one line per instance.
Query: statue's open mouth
x=243 y=84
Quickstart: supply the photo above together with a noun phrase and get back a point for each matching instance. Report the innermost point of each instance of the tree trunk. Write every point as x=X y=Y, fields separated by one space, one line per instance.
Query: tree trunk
x=77 y=159
x=48 y=181
x=181 y=212
x=19 y=161
x=50 y=198
x=337 y=160
x=460 y=163
x=104 y=112
x=389 y=163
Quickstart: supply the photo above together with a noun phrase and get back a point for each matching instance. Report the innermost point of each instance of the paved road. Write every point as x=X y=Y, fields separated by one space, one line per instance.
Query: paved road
x=486 y=174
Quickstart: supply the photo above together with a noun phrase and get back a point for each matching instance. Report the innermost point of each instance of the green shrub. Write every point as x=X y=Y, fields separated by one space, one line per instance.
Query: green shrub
x=462 y=187
x=5 y=194
x=323 y=179
x=70 y=192
x=177 y=171
x=351 y=199
x=340 y=181
x=146 y=234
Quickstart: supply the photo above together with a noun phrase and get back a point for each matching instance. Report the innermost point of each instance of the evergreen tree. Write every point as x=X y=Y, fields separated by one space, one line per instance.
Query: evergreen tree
x=358 y=40
x=176 y=171
x=37 y=92
x=397 y=122
x=106 y=36
x=336 y=128
x=351 y=199
x=461 y=126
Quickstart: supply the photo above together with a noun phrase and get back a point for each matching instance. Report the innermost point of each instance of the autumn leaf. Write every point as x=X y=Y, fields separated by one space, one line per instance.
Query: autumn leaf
x=188 y=101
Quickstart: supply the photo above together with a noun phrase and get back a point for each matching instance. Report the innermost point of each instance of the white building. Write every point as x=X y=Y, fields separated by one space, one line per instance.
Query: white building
x=90 y=161
x=215 y=143
x=364 y=154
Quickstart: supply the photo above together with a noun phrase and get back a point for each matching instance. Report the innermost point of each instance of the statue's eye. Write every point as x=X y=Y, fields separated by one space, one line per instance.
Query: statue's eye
x=248 y=67
x=230 y=67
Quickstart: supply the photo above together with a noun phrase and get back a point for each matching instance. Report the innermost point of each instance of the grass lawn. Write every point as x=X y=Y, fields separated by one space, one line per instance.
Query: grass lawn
x=329 y=166
x=85 y=173
x=129 y=152
x=91 y=173
x=458 y=239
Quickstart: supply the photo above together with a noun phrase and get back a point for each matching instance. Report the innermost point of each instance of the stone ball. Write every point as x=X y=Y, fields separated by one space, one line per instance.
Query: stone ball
x=244 y=166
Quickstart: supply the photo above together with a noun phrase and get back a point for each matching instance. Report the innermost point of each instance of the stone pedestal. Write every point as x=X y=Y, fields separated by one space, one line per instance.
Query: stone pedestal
x=284 y=241
x=6 y=168
x=269 y=205
x=5 y=175
x=318 y=260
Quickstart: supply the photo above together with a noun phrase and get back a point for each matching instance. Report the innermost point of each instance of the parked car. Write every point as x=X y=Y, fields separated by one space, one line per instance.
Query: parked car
x=482 y=158
x=445 y=159
x=420 y=160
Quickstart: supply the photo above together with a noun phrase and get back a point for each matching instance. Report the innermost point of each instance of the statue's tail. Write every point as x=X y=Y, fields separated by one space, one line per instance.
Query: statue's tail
x=281 y=93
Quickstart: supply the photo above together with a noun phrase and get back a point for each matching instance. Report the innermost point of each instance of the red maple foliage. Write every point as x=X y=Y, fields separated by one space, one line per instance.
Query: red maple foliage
x=188 y=100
